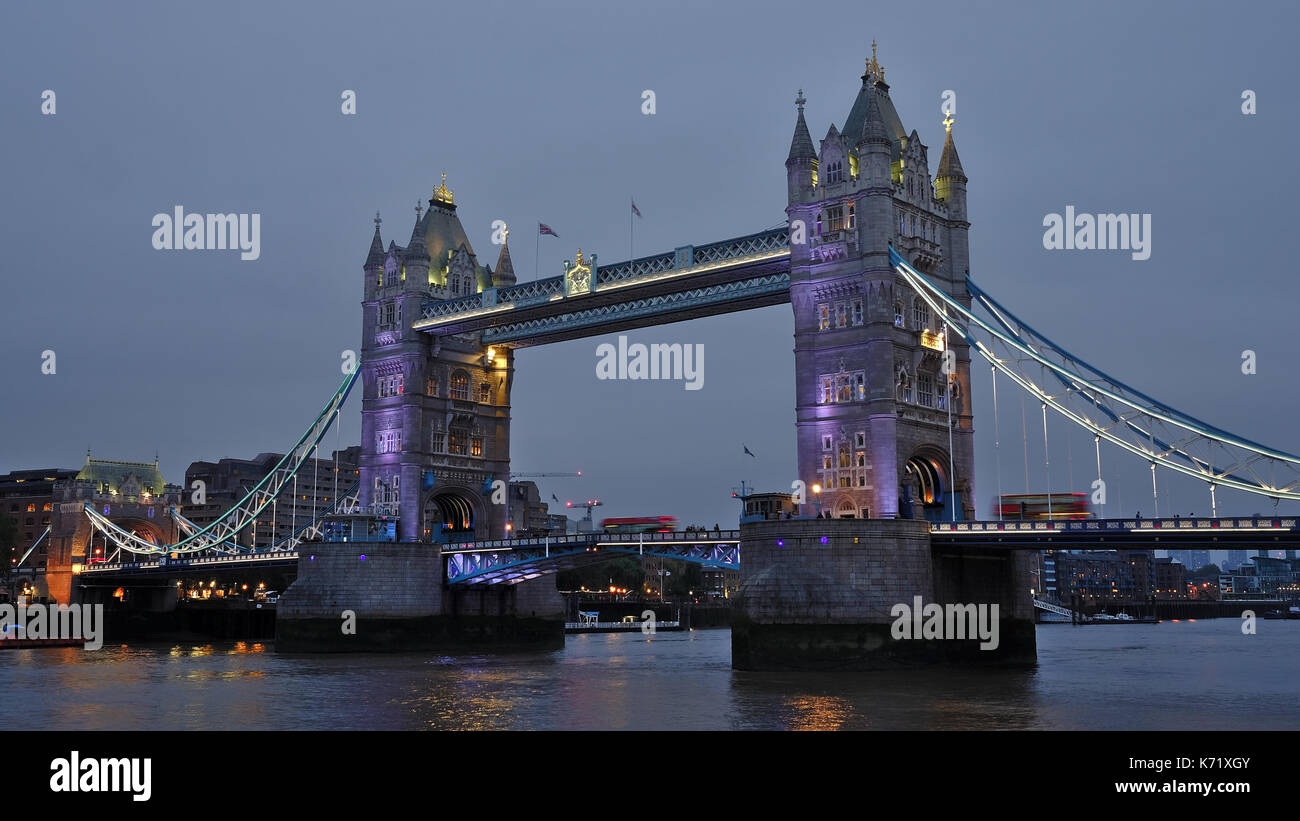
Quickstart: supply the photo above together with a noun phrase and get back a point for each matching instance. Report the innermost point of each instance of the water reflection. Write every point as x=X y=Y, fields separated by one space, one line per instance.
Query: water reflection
x=1201 y=675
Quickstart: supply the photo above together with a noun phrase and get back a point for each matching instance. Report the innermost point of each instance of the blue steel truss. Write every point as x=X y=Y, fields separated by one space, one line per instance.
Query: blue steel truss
x=772 y=244
x=508 y=561
x=675 y=302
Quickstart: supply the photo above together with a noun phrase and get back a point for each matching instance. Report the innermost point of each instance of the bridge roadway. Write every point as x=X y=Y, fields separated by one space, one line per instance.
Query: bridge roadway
x=496 y=561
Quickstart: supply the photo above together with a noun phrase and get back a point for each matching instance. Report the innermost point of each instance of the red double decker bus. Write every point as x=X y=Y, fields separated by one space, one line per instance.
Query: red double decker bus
x=640 y=524
x=1025 y=506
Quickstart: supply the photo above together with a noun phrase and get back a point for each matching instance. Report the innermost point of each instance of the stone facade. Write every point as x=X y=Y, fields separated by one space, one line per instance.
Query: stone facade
x=873 y=415
x=435 y=419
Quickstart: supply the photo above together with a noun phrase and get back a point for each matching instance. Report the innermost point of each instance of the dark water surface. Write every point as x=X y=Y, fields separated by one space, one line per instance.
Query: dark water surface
x=1181 y=676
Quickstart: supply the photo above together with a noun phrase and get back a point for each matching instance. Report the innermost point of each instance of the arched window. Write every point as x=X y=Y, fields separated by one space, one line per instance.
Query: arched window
x=844 y=455
x=898 y=313
x=921 y=313
x=460 y=385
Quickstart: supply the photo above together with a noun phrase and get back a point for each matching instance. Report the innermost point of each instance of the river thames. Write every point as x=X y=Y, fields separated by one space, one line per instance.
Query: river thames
x=1202 y=675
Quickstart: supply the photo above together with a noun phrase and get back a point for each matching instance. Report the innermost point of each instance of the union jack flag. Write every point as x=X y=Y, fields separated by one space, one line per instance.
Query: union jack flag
x=543 y=229
x=636 y=210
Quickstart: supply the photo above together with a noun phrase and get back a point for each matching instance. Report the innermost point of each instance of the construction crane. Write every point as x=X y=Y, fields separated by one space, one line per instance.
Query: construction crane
x=589 y=504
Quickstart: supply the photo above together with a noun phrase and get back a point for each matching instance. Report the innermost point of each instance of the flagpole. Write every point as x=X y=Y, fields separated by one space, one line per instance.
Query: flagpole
x=537 y=250
x=631 y=230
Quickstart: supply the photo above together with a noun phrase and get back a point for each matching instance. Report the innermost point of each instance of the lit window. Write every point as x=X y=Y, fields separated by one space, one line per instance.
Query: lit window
x=861 y=379
x=476 y=446
x=484 y=393
x=460 y=385
x=861 y=459
x=457 y=442
x=823 y=317
x=853 y=219
x=898 y=313
x=844 y=456
x=843 y=389
x=841 y=315
x=826 y=461
x=433 y=386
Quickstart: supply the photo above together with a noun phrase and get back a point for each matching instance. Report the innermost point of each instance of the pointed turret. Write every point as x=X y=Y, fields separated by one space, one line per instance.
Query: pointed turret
x=417 y=249
x=801 y=165
x=874 y=129
x=801 y=146
x=375 y=259
x=504 y=275
x=950 y=163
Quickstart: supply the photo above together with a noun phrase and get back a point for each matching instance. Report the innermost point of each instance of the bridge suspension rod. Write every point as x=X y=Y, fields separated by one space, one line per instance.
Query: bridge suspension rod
x=1098 y=388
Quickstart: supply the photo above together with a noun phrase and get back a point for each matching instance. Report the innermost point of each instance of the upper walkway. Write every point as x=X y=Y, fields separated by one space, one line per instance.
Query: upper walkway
x=737 y=274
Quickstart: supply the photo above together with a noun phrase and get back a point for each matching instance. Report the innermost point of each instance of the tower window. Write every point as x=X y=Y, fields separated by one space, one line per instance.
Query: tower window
x=922 y=314
x=476 y=446
x=925 y=390
x=484 y=393
x=460 y=385
x=841 y=315
x=853 y=218
x=857 y=312
x=823 y=317
x=439 y=442
x=835 y=218
x=433 y=386
x=458 y=441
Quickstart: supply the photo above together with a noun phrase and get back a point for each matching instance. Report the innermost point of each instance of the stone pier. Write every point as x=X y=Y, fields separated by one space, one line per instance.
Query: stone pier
x=394 y=592
x=821 y=594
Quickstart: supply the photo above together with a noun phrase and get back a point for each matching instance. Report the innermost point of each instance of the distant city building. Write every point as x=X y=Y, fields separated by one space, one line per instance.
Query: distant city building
x=1191 y=559
x=528 y=513
x=1169 y=579
x=227 y=481
x=1102 y=576
x=27 y=496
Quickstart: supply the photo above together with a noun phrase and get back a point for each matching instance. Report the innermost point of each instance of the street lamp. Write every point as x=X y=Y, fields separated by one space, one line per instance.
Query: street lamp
x=817 y=494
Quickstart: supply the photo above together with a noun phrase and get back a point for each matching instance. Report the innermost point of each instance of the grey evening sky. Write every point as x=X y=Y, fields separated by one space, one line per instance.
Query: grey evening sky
x=535 y=114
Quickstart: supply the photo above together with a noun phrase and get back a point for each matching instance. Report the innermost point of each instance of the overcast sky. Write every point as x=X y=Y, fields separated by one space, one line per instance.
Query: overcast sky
x=535 y=115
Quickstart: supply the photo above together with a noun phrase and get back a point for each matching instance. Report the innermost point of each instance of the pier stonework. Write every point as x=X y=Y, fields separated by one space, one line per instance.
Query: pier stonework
x=820 y=594
x=396 y=597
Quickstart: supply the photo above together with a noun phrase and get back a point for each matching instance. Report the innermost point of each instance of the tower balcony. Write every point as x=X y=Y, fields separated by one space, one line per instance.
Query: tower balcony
x=924 y=255
x=834 y=245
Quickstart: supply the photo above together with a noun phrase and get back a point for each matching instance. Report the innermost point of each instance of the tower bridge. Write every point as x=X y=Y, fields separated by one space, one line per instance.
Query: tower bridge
x=874 y=261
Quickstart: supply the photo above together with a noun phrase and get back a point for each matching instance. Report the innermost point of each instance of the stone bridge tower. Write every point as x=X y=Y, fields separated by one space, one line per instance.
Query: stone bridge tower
x=873 y=400
x=435 y=417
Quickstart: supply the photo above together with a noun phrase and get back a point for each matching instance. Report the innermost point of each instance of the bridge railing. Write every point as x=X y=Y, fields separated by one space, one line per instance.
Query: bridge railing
x=575 y=539
x=192 y=561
